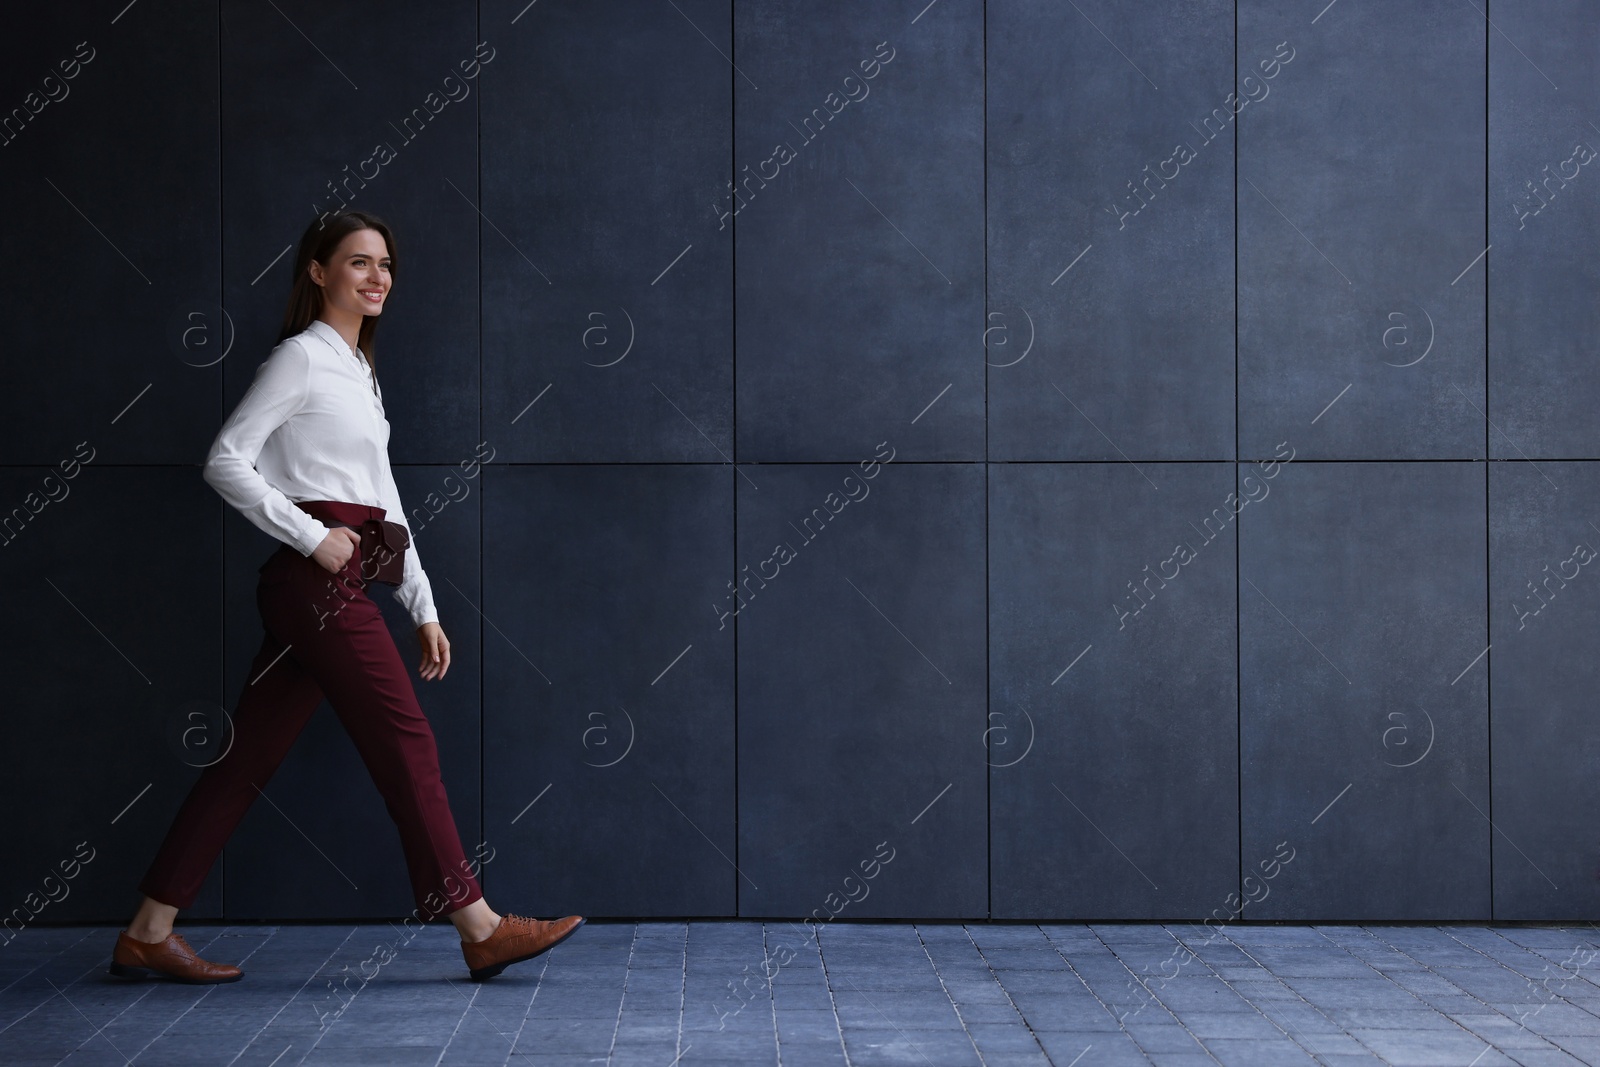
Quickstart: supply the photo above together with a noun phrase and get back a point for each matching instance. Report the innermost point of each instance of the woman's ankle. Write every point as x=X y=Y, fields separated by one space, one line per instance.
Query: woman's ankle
x=475 y=922
x=147 y=935
x=153 y=922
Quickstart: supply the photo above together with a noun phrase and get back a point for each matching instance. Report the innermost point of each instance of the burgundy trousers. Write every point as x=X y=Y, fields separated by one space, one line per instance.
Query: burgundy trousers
x=324 y=638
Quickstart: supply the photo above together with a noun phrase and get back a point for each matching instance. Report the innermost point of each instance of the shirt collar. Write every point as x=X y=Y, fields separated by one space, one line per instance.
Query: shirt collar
x=330 y=335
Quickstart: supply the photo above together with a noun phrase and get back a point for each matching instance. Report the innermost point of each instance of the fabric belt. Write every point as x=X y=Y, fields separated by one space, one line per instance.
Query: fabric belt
x=339 y=512
x=383 y=543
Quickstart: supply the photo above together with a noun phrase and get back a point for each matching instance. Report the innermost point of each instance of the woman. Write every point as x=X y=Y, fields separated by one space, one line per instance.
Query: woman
x=305 y=458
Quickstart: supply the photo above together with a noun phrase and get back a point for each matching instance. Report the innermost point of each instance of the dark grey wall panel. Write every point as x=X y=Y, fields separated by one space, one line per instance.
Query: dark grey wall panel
x=1349 y=265
x=895 y=244
x=860 y=264
x=861 y=689
x=1545 y=610
x=323 y=106
x=1132 y=348
x=1363 y=733
x=110 y=637
x=605 y=149
x=111 y=231
x=1544 y=377
x=608 y=689
x=325 y=847
x=1114 y=659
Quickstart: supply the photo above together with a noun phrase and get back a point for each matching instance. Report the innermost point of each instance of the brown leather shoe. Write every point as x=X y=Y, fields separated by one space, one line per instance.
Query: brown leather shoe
x=514 y=940
x=172 y=958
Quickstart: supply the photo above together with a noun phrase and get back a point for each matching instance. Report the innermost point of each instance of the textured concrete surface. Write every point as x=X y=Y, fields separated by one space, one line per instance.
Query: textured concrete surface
x=934 y=994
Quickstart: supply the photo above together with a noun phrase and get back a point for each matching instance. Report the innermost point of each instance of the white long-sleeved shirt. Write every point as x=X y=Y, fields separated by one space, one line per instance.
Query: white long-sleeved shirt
x=312 y=427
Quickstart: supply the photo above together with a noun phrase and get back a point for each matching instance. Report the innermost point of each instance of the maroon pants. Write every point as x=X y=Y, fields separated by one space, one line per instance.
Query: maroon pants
x=324 y=638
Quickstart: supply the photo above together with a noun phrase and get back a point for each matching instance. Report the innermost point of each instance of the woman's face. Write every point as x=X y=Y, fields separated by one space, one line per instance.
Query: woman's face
x=356 y=278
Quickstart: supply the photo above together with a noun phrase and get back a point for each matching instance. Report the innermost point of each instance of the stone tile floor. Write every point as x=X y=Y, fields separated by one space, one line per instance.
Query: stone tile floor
x=935 y=994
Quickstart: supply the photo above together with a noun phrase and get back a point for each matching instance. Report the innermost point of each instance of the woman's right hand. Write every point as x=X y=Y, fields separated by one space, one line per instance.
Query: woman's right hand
x=336 y=548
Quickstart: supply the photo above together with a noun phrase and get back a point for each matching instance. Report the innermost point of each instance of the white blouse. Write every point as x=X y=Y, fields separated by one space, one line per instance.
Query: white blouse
x=311 y=427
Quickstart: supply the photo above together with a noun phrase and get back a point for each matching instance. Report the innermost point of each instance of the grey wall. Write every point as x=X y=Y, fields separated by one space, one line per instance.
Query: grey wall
x=865 y=539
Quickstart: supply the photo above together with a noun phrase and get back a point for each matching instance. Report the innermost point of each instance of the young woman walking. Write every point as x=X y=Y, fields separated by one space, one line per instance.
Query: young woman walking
x=305 y=458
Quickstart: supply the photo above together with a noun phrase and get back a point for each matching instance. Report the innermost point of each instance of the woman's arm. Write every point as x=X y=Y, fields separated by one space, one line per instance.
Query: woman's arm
x=414 y=592
x=280 y=388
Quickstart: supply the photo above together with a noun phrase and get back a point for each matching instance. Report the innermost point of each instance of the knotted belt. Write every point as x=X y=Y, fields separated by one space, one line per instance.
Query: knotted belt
x=383 y=543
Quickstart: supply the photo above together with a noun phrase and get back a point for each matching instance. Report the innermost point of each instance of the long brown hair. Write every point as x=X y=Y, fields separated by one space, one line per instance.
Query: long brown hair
x=319 y=242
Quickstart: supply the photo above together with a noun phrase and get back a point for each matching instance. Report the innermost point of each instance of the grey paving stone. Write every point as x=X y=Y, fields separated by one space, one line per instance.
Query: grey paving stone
x=1113 y=1048
x=1588 y=999
x=1215 y=951
x=1502 y=1031
x=1549 y=1058
x=1448 y=1003
x=979 y=1014
x=1427 y=1047
x=867 y=1047
x=1201 y=993
x=379 y=1056
x=980 y=991
x=1274 y=935
x=1322 y=1044
x=1422 y=981
x=1162 y=1036
x=587 y=1042
x=428 y=1033
x=1182 y=1059
x=814 y=1056
x=1240 y=1052
x=1386 y=1019
x=756 y=1049
x=1000 y=1041
x=1263 y=987
x=905 y=1017
x=817 y=998
x=890 y=980
x=1059 y=1011
x=1229 y=1024
x=858 y=1011
x=1313 y=963
x=1495 y=985
x=1564 y=1019
x=1353 y=992
x=807 y=1058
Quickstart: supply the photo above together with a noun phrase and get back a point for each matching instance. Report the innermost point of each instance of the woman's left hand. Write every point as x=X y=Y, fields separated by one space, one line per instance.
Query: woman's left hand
x=435 y=650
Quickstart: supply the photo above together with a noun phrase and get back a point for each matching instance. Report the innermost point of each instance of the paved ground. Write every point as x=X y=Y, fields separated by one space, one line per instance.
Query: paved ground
x=938 y=995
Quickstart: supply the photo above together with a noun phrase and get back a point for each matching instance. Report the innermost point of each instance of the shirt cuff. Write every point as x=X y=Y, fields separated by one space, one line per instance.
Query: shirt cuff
x=416 y=596
x=310 y=538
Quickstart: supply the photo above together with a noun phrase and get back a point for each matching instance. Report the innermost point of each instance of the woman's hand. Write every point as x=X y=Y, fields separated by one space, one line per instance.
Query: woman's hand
x=336 y=548
x=435 y=650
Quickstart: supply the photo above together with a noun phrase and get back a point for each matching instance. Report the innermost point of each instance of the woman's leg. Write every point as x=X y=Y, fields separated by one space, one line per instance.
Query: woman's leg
x=345 y=645
x=277 y=700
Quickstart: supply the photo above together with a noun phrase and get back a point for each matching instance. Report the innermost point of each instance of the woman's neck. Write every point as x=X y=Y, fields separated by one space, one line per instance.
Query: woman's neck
x=348 y=326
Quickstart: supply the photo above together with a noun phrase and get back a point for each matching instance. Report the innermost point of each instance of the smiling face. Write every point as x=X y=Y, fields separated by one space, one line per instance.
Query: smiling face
x=356 y=277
